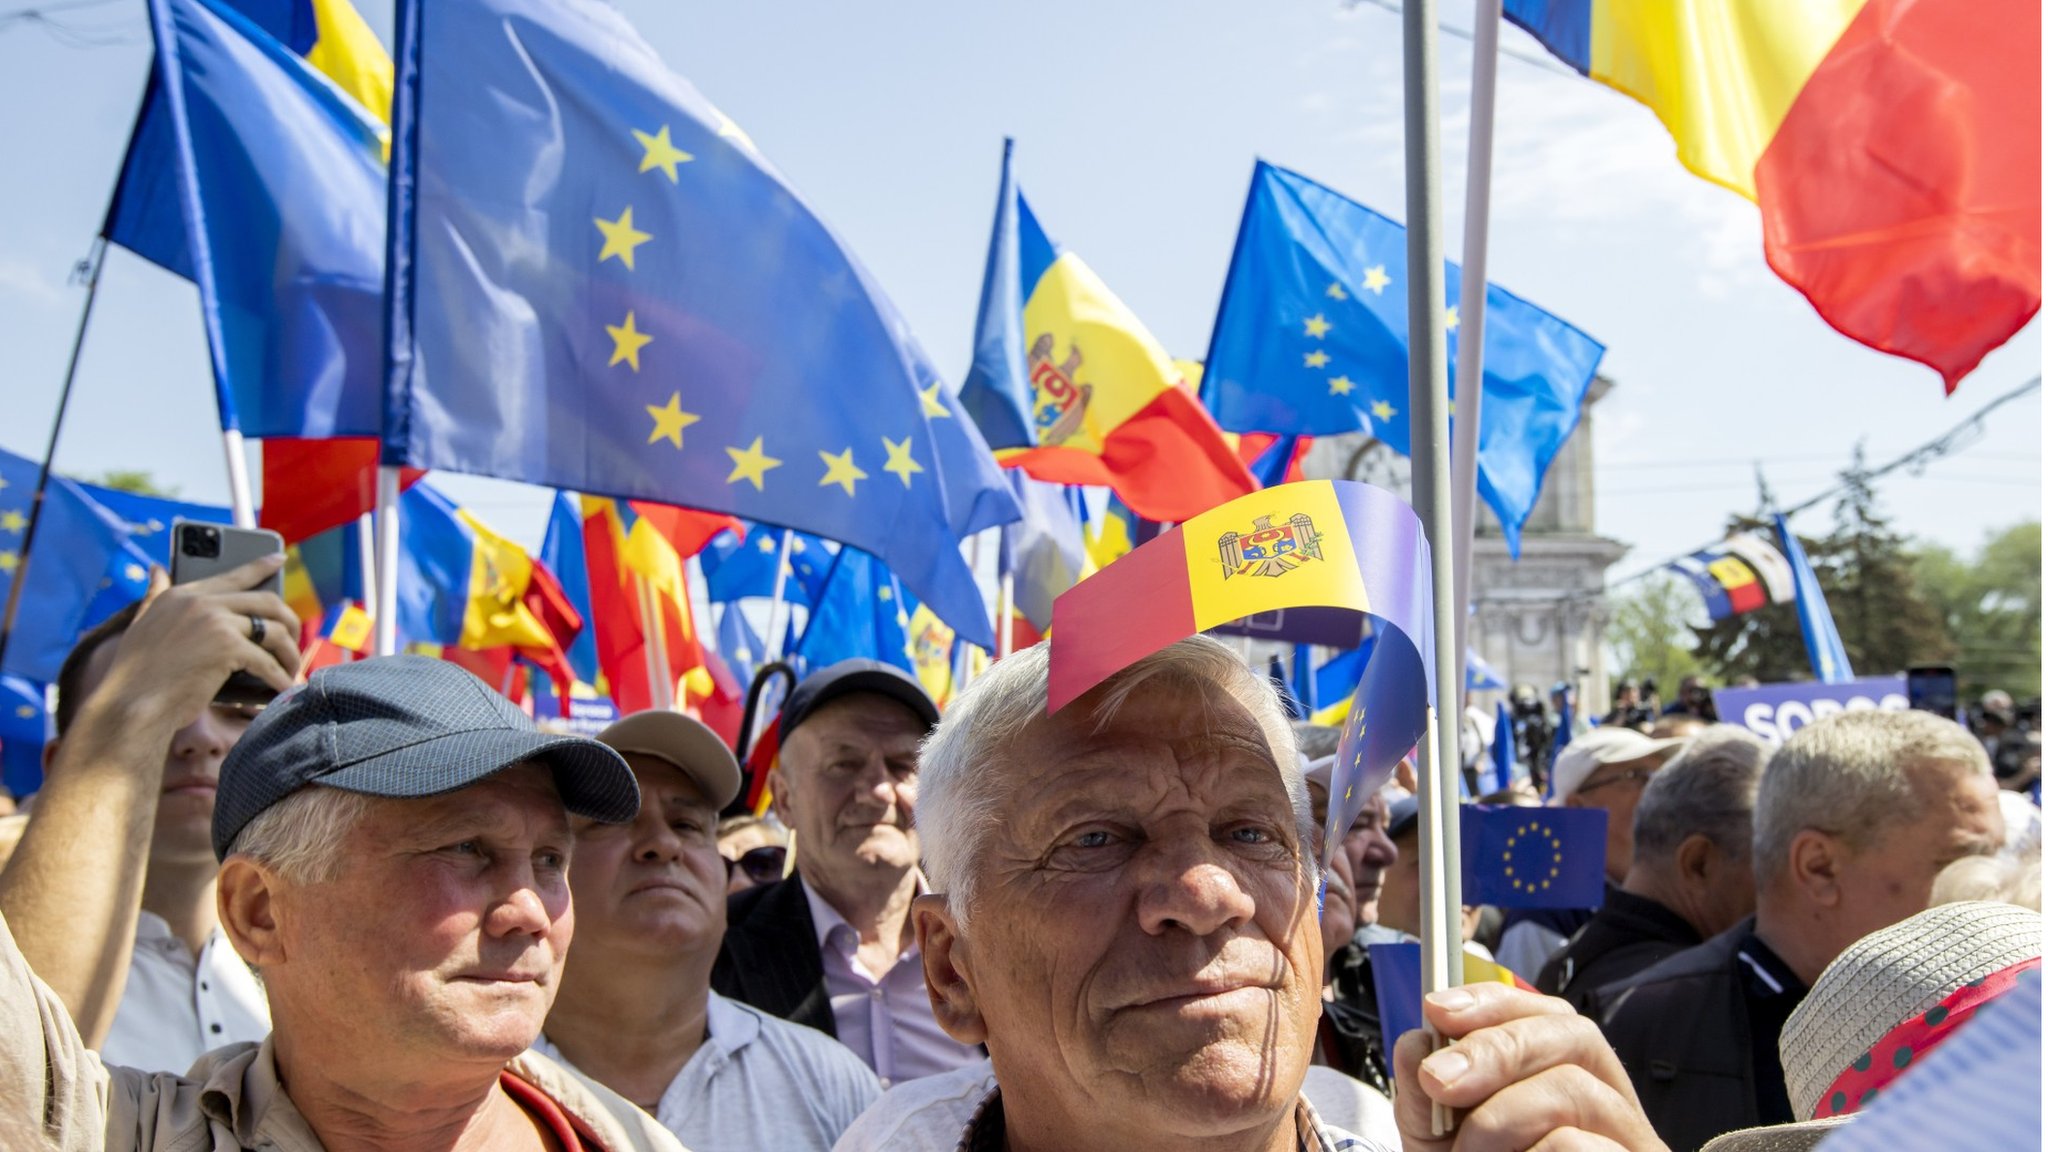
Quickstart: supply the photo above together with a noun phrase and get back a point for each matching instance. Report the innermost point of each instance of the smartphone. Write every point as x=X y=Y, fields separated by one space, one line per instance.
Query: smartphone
x=1932 y=688
x=200 y=550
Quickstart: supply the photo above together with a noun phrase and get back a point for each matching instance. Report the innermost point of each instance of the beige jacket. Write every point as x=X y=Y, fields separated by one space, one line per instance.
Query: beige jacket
x=56 y=1095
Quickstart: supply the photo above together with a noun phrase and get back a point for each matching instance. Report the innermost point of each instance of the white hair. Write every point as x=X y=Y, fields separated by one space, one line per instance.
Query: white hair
x=959 y=799
x=1848 y=775
x=300 y=837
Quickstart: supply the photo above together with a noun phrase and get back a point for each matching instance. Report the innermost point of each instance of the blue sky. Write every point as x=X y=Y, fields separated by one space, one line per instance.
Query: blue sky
x=1137 y=124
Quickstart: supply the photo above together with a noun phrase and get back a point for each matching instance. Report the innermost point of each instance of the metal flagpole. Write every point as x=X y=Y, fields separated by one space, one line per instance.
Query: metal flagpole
x=91 y=265
x=1429 y=433
x=385 y=615
x=775 y=605
x=1472 y=322
x=240 y=502
x=366 y=543
x=1006 y=606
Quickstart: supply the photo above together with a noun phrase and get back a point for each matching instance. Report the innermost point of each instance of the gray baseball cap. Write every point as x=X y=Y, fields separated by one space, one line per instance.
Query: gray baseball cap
x=404 y=726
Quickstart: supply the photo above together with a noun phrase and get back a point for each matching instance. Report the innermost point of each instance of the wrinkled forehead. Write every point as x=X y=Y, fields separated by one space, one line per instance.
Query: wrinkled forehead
x=1166 y=734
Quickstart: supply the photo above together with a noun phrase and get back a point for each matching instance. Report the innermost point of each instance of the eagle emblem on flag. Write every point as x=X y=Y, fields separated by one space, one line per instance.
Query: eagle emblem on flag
x=1062 y=401
x=1270 y=549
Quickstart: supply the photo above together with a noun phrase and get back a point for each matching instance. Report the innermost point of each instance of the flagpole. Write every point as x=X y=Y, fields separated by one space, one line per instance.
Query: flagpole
x=366 y=544
x=240 y=502
x=1429 y=435
x=775 y=604
x=1006 y=606
x=1471 y=387
x=92 y=263
x=385 y=615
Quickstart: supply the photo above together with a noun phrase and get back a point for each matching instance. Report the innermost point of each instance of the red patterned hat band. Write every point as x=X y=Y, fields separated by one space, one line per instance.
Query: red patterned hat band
x=1898 y=1049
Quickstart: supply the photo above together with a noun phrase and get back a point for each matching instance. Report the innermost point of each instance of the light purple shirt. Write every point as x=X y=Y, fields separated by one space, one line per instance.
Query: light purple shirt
x=886 y=1020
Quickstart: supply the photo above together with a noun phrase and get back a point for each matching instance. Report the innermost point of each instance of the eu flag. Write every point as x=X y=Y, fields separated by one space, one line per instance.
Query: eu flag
x=24 y=729
x=281 y=186
x=736 y=569
x=1534 y=857
x=1312 y=338
x=80 y=548
x=862 y=611
x=739 y=644
x=599 y=283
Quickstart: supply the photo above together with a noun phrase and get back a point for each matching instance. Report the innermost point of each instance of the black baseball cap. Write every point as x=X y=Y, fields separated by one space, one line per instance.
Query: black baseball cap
x=404 y=726
x=856 y=675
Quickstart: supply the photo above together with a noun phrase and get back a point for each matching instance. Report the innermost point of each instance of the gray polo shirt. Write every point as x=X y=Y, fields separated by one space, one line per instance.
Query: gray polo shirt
x=760 y=1082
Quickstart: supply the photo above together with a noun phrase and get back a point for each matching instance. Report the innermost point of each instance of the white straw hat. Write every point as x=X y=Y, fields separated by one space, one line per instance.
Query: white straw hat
x=1889 y=978
x=1607 y=744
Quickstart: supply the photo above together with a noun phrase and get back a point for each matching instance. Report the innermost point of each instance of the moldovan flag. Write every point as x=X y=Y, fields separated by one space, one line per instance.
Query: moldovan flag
x=1333 y=544
x=1894 y=146
x=627 y=544
x=1069 y=386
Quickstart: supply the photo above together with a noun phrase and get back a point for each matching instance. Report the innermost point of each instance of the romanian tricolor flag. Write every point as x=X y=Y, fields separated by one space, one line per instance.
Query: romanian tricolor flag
x=1070 y=387
x=1320 y=543
x=1894 y=146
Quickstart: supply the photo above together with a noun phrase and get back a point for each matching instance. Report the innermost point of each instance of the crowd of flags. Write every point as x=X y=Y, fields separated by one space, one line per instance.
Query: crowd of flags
x=595 y=282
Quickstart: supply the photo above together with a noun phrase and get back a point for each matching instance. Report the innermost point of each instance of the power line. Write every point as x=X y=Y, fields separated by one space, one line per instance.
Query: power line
x=1916 y=460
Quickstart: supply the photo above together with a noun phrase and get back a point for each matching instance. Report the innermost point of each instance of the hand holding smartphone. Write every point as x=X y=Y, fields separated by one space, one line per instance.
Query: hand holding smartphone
x=201 y=550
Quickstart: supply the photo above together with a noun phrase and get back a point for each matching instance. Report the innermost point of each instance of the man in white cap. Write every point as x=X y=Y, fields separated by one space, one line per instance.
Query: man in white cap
x=1606 y=769
x=636 y=1011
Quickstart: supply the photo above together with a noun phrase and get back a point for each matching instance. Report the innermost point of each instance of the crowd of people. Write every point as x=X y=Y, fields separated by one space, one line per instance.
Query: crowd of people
x=344 y=921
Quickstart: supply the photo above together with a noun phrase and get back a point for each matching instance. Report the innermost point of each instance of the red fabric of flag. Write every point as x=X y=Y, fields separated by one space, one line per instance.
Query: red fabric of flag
x=1902 y=192
x=310 y=486
x=1169 y=461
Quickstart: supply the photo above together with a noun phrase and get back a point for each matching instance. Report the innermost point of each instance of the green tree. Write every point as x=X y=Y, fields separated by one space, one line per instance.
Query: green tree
x=1991 y=605
x=1651 y=631
x=1867 y=571
x=135 y=480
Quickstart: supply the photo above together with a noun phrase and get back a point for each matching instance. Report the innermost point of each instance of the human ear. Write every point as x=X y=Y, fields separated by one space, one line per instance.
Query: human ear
x=246 y=898
x=946 y=976
x=779 y=795
x=1815 y=866
x=1695 y=861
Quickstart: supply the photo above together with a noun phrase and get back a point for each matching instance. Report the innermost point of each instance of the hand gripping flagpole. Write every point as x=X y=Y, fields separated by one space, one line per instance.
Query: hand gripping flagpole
x=1429 y=435
x=1470 y=387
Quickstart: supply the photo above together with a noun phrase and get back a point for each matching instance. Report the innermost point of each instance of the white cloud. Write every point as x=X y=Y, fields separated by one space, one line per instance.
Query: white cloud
x=38 y=284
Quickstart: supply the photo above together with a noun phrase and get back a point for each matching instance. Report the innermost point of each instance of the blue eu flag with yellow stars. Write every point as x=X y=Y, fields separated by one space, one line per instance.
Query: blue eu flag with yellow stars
x=1312 y=339
x=1534 y=857
x=862 y=611
x=599 y=283
x=737 y=569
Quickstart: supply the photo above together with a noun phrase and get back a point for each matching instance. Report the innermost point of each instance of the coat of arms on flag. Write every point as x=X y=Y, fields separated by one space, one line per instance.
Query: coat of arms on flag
x=1062 y=401
x=1270 y=549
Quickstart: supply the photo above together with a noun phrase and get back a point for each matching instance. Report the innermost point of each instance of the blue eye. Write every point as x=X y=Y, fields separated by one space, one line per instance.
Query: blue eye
x=1250 y=835
x=1096 y=839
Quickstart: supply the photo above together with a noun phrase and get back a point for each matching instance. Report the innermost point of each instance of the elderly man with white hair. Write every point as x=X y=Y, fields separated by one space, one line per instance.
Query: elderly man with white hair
x=1123 y=910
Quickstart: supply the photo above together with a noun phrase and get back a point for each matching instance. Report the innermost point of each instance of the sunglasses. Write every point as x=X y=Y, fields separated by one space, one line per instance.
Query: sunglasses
x=762 y=865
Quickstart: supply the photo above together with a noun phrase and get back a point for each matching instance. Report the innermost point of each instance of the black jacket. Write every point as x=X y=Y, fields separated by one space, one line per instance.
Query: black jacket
x=1627 y=935
x=770 y=956
x=1682 y=1029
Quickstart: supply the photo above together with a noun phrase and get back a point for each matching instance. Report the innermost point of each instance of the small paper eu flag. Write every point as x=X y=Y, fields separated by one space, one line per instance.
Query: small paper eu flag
x=1534 y=857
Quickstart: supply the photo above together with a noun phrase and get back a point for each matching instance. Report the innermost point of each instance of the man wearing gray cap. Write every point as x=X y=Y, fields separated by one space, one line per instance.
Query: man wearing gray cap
x=833 y=946
x=394 y=842
x=637 y=1012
